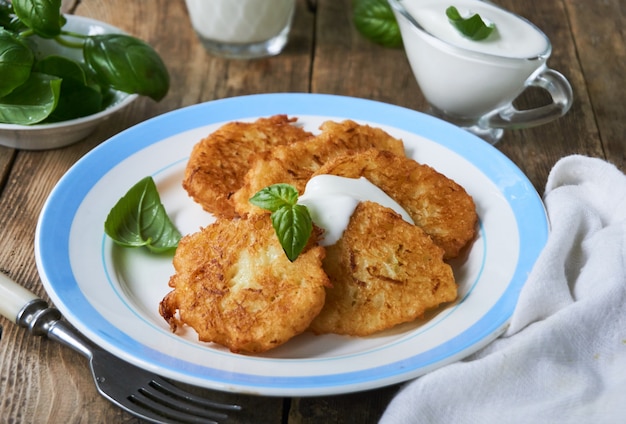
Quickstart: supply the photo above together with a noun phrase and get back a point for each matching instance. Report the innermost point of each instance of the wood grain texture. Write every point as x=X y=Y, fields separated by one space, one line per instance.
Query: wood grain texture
x=536 y=150
x=41 y=381
x=600 y=42
x=361 y=407
x=348 y=64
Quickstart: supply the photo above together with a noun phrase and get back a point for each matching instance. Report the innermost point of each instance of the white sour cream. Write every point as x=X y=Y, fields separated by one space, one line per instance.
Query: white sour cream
x=513 y=37
x=459 y=81
x=331 y=200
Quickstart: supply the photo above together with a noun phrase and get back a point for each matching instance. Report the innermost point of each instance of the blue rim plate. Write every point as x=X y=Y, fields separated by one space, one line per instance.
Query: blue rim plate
x=111 y=294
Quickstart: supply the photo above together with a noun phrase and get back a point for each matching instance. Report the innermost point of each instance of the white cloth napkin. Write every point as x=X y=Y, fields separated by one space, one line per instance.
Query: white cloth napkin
x=563 y=358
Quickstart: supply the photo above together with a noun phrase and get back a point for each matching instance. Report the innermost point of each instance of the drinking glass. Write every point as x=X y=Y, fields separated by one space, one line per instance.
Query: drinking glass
x=242 y=29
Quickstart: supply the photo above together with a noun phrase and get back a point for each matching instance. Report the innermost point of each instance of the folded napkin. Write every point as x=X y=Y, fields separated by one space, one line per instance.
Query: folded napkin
x=563 y=358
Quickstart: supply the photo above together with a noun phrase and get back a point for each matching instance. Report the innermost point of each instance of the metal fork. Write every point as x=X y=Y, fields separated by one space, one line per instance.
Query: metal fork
x=133 y=389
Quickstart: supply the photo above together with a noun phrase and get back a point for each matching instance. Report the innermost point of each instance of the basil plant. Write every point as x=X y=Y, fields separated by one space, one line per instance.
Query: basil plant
x=55 y=88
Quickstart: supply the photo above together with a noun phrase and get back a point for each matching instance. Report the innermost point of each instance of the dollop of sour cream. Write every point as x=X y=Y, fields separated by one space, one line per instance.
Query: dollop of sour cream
x=331 y=201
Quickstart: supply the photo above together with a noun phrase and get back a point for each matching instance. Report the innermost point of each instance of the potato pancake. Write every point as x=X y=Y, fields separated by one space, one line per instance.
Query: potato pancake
x=437 y=204
x=295 y=163
x=235 y=286
x=384 y=271
x=219 y=162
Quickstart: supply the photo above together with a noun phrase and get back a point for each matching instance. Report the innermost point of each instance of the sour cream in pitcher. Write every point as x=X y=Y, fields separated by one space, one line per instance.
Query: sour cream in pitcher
x=468 y=78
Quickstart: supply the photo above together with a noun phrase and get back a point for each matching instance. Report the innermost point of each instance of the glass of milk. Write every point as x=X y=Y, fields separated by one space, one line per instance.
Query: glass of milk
x=242 y=29
x=474 y=83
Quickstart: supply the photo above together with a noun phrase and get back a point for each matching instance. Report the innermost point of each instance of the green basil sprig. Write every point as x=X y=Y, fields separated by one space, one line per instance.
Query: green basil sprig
x=127 y=64
x=139 y=219
x=42 y=16
x=110 y=62
x=473 y=27
x=292 y=222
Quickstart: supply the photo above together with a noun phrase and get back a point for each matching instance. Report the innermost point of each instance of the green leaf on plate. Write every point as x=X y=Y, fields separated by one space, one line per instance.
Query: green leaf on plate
x=275 y=196
x=292 y=222
x=139 y=219
x=293 y=226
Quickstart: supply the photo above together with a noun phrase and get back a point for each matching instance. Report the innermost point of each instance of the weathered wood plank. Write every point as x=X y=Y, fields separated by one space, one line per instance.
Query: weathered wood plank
x=354 y=408
x=348 y=64
x=7 y=156
x=600 y=42
x=535 y=150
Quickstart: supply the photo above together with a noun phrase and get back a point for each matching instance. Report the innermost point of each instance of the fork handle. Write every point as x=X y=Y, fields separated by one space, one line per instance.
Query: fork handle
x=13 y=298
x=24 y=308
x=27 y=310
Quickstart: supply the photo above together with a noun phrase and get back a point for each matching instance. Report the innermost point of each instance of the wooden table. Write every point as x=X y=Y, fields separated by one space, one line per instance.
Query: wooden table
x=41 y=381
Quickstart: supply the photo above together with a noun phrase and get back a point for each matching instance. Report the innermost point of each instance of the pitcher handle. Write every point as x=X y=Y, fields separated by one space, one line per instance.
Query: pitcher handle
x=559 y=89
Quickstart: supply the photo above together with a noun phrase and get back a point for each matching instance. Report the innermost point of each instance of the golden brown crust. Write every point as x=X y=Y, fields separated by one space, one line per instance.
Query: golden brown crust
x=235 y=286
x=440 y=206
x=219 y=162
x=384 y=271
x=295 y=163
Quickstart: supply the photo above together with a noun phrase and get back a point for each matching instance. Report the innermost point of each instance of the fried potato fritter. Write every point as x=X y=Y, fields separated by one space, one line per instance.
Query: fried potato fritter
x=219 y=162
x=384 y=271
x=437 y=204
x=295 y=163
x=235 y=286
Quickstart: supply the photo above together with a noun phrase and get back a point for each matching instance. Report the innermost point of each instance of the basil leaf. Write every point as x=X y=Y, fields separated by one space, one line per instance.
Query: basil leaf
x=31 y=102
x=127 y=64
x=293 y=226
x=115 y=62
x=292 y=222
x=473 y=27
x=78 y=98
x=6 y=12
x=375 y=20
x=16 y=61
x=275 y=197
x=8 y=19
x=139 y=219
x=61 y=67
x=42 y=16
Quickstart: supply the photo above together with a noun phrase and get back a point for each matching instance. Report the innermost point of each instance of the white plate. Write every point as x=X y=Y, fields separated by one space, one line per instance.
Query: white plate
x=111 y=294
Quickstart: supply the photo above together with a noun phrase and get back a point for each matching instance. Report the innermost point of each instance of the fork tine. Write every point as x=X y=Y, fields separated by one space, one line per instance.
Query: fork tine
x=169 y=389
x=117 y=380
x=158 y=412
x=162 y=402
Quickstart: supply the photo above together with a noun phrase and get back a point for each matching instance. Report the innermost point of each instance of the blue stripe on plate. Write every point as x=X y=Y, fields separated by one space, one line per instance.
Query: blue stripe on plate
x=58 y=214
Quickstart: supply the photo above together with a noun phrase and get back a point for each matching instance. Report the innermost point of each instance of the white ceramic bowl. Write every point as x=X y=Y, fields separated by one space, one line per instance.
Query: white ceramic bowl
x=59 y=134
